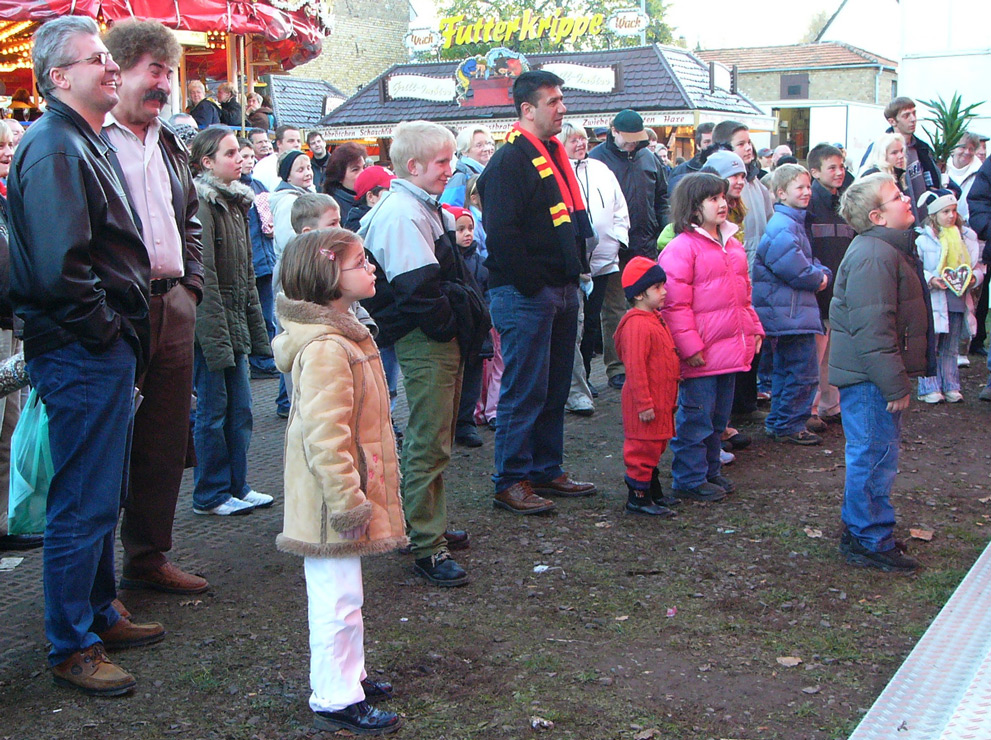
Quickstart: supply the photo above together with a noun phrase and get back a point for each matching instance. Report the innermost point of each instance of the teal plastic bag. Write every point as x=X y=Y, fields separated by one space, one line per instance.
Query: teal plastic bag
x=31 y=469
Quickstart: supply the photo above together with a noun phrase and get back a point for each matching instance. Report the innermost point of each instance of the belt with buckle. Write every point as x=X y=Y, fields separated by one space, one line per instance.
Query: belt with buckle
x=161 y=286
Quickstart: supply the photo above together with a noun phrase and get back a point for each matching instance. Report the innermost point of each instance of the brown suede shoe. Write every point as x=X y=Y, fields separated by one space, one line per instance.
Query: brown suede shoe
x=121 y=609
x=91 y=672
x=519 y=498
x=126 y=634
x=564 y=486
x=168 y=579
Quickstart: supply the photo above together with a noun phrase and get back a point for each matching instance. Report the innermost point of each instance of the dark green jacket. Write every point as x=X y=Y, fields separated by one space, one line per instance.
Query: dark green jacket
x=229 y=321
x=879 y=315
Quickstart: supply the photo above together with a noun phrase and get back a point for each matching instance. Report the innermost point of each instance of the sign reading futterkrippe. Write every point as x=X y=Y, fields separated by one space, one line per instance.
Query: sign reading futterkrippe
x=555 y=27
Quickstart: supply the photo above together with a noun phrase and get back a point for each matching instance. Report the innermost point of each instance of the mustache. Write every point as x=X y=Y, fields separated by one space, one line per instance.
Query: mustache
x=156 y=95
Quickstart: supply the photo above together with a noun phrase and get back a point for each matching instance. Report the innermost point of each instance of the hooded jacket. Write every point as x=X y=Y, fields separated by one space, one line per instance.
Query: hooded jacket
x=607 y=208
x=830 y=236
x=229 y=321
x=465 y=169
x=644 y=188
x=979 y=206
x=708 y=306
x=879 y=316
x=930 y=251
x=341 y=466
x=786 y=276
x=79 y=270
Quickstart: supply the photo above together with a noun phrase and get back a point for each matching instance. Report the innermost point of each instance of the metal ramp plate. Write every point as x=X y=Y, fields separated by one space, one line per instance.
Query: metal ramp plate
x=943 y=689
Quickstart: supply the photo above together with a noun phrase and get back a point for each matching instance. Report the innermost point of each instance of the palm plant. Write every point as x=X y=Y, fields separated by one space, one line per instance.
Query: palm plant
x=950 y=122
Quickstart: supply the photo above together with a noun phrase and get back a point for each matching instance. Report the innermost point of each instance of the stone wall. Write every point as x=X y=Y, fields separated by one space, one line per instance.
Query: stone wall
x=830 y=84
x=367 y=40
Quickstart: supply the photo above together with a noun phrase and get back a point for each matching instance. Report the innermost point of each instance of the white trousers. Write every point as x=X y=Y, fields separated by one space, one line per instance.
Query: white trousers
x=337 y=648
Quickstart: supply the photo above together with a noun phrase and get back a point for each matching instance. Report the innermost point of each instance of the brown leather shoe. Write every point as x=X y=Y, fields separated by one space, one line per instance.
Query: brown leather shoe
x=121 y=609
x=91 y=672
x=564 y=486
x=126 y=634
x=168 y=579
x=519 y=498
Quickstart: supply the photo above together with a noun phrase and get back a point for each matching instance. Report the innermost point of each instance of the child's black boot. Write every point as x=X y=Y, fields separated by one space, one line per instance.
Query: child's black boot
x=639 y=502
x=657 y=493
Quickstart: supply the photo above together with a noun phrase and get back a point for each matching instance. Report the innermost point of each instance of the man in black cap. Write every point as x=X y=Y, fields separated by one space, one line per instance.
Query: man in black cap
x=643 y=184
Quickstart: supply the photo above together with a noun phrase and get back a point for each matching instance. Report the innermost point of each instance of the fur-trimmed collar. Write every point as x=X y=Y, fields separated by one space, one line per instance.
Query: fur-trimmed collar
x=212 y=190
x=304 y=312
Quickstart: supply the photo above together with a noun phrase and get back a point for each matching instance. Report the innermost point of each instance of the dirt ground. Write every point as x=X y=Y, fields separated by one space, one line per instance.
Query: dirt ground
x=636 y=629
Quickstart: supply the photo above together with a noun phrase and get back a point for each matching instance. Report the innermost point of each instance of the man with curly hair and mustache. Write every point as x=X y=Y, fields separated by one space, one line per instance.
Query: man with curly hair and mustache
x=153 y=167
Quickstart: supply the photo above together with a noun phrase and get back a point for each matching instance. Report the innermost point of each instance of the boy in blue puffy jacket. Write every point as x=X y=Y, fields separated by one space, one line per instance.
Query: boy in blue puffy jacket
x=786 y=278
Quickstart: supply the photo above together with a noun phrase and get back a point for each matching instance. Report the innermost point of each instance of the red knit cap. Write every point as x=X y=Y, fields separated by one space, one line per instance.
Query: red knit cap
x=640 y=274
x=458 y=212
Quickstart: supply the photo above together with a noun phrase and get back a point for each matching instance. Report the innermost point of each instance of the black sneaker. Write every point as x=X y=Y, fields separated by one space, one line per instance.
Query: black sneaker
x=617 y=381
x=723 y=482
x=441 y=570
x=804 y=438
x=706 y=492
x=468 y=438
x=889 y=560
x=361 y=718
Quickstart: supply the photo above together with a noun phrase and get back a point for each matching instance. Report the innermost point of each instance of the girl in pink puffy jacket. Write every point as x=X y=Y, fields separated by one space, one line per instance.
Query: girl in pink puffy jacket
x=714 y=326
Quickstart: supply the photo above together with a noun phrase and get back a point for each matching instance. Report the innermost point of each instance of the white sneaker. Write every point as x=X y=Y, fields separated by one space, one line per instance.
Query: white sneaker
x=258 y=500
x=954 y=396
x=934 y=397
x=726 y=458
x=231 y=507
x=963 y=361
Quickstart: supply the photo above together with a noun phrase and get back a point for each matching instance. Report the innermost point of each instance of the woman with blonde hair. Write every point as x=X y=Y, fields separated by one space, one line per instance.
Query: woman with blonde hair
x=887 y=155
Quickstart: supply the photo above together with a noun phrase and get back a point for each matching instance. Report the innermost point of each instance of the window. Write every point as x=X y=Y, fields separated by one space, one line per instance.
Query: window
x=795 y=86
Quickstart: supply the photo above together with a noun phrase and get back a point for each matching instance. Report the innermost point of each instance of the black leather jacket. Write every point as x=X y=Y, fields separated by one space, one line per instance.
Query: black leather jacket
x=79 y=270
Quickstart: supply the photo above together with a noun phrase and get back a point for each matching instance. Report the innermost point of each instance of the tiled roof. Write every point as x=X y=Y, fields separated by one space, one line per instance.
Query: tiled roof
x=298 y=101
x=796 y=56
x=650 y=78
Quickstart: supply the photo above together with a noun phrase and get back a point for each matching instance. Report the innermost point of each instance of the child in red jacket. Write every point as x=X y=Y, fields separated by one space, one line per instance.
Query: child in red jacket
x=650 y=394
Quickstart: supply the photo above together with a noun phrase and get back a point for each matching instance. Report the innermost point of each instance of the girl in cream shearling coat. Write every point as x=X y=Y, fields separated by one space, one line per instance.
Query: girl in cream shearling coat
x=342 y=496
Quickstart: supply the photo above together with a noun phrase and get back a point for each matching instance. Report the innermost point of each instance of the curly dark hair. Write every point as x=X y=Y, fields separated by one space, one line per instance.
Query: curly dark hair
x=131 y=39
x=338 y=163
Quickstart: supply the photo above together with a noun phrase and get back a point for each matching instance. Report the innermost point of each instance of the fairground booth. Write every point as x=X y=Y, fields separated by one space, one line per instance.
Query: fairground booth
x=670 y=87
x=222 y=39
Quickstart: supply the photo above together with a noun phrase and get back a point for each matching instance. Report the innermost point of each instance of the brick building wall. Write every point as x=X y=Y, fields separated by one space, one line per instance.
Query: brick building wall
x=367 y=40
x=828 y=84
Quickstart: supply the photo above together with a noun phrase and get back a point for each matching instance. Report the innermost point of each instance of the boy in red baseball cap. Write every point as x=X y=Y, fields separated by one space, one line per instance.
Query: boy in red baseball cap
x=650 y=394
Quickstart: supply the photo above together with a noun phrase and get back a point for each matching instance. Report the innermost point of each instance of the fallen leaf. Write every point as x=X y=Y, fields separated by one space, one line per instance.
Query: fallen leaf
x=622 y=618
x=813 y=533
x=671 y=612
x=985 y=499
x=539 y=723
x=603 y=525
x=648 y=734
x=191 y=602
x=789 y=661
x=812 y=689
x=921 y=534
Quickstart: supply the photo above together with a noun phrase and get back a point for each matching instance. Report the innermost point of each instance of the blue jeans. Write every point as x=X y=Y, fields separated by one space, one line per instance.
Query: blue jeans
x=538 y=335
x=267 y=299
x=872 y=438
x=391 y=366
x=704 y=406
x=947 y=376
x=88 y=398
x=765 y=367
x=794 y=378
x=222 y=431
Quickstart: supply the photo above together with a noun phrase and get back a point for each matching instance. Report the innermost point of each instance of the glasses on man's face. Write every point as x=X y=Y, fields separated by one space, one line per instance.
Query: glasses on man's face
x=102 y=58
x=363 y=265
x=901 y=196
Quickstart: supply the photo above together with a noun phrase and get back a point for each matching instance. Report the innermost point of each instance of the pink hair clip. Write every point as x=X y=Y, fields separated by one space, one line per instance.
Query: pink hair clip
x=328 y=254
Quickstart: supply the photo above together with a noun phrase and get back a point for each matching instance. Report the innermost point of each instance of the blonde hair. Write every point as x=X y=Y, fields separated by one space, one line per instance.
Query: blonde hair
x=310 y=269
x=879 y=153
x=783 y=175
x=419 y=141
x=862 y=197
x=466 y=137
x=5 y=133
x=195 y=83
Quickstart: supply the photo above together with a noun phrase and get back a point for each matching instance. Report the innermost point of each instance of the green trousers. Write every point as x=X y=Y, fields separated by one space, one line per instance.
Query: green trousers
x=432 y=379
